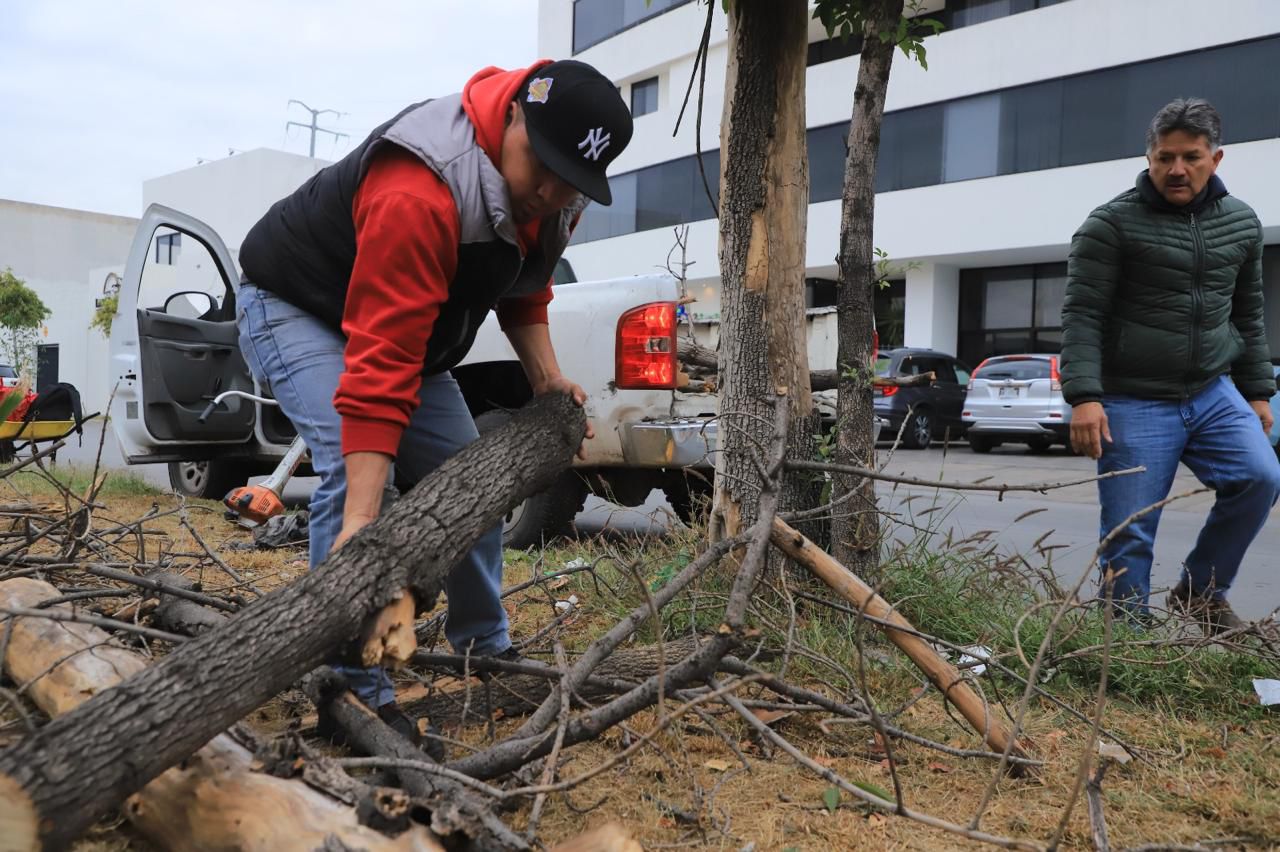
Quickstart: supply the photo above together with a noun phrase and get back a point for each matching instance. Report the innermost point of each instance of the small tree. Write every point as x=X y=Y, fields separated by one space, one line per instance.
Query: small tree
x=21 y=314
x=104 y=314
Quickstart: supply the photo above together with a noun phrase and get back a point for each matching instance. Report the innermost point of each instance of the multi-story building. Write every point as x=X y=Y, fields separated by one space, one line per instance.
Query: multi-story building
x=1031 y=113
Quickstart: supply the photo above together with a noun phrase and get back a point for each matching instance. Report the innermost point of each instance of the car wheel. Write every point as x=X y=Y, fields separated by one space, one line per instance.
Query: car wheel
x=209 y=480
x=981 y=443
x=1039 y=445
x=919 y=432
x=543 y=516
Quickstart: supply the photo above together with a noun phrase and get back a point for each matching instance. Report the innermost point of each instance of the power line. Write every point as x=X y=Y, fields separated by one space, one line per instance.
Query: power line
x=313 y=127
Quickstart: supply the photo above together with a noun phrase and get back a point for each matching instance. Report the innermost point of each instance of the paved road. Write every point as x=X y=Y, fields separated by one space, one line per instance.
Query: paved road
x=1070 y=514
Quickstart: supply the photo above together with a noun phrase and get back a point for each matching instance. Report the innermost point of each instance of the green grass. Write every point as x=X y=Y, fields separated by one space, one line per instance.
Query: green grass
x=76 y=478
x=966 y=596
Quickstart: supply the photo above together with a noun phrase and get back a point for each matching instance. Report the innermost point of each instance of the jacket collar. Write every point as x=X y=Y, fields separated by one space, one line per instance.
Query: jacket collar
x=1213 y=190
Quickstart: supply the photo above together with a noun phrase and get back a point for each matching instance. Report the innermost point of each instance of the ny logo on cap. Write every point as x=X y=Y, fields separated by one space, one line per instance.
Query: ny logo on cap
x=598 y=140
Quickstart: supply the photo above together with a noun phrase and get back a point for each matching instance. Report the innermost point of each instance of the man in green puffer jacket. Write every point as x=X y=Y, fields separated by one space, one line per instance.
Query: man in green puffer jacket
x=1165 y=360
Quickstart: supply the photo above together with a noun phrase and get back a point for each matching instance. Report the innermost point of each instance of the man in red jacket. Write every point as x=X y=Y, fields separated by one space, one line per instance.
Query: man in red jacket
x=366 y=285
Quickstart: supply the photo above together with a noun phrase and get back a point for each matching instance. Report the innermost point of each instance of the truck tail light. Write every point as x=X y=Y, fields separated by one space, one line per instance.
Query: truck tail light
x=1055 y=378
x=645 y=355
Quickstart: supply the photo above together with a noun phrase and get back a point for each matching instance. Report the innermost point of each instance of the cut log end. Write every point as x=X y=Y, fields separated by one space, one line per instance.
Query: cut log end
x=18 y=821
x=391 y=641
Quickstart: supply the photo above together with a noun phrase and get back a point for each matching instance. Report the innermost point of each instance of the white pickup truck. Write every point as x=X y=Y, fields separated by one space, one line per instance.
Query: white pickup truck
x=174 y=348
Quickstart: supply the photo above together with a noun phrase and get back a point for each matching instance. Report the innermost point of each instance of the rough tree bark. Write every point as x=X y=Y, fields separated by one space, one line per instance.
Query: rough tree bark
x=855 y=532
x=764 y=198
x=213 y=801
x=86 y=762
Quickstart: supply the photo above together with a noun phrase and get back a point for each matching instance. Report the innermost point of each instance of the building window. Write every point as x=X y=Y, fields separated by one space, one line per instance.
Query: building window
x=644 y=97
x=831 y=49
x=1011 y=310
x=1087 y=118
x=966 y=13
x=596 y=20
x=889 y=301
x=168 y=246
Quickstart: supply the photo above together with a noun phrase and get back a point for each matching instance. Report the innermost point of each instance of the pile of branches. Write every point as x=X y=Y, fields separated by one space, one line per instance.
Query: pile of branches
x=148 y=676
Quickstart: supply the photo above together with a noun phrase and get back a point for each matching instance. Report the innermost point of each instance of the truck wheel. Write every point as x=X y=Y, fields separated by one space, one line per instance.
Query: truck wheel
x=981 y=443
x=919 y=432
x=544 y=516
x=209 y=480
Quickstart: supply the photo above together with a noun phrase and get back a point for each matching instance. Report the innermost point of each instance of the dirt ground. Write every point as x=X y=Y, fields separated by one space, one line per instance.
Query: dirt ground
x=1212 y=781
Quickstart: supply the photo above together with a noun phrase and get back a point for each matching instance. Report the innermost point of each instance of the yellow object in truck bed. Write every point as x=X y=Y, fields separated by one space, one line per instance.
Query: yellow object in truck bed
x=36 y=430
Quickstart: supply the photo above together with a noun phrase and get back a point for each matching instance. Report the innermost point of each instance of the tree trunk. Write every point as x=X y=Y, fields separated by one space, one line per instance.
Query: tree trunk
x=86 y=762
x=764 y=199
x=214 y=801
x=855 y=531
x=178 y=615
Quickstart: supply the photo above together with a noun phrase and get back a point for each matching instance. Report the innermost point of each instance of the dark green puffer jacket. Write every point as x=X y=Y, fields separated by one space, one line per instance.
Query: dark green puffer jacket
x=1161 y=300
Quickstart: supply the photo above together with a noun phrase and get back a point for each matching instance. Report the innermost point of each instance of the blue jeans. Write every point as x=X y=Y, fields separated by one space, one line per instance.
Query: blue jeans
x=302 y=358
x=1218 y=436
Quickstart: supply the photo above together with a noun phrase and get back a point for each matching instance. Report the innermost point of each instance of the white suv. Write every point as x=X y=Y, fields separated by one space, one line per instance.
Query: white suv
x=1016 y=399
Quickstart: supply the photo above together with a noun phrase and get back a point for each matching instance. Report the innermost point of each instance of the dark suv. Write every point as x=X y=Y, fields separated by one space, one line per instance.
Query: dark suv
x=929 y=411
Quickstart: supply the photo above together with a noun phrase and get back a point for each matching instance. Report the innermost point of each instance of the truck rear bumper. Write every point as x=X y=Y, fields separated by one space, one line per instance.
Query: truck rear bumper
x=684 y=442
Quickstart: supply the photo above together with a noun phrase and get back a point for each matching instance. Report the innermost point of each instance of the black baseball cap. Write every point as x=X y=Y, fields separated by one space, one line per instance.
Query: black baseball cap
x=577 y=123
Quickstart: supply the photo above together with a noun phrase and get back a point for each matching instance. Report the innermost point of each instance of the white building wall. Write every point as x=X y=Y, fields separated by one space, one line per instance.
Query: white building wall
x=1010 y=219
x=231 y=194
x=64 y=255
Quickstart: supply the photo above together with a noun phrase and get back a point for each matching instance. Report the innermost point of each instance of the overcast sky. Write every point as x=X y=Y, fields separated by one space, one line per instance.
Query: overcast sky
x=98 y=95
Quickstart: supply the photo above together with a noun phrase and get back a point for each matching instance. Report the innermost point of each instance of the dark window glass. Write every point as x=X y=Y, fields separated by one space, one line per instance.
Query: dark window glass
x=644 y=97
x=664 y=194
x=882 y=365
x=563 y=273
x=1092 y=117
x=1011 y=310
x=596 y=20
x=1051 y=288
x=827 y=151
x=944 y=370
x=1018 y=369
x=702 y=208
x=831 y=49
x=966 y=13
x=1008 y=299
x=890 y=305
x=1030 y=127
x=971 y=138
x=7 y=372
x=910 y=149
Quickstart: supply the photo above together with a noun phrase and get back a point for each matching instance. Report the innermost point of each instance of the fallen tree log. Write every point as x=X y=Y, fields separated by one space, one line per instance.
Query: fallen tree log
x=86 y=762
x=513 y=694
x=455 y=810
x=182 y=615
x=213 y=801
x=945 y=677
x=821 y=380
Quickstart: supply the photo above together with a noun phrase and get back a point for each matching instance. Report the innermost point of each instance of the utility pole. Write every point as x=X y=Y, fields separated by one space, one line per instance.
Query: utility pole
x=315 y=113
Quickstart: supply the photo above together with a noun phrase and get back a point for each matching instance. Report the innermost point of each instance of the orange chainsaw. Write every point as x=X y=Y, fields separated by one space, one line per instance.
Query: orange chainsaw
x=253 y=505
x=256 y=504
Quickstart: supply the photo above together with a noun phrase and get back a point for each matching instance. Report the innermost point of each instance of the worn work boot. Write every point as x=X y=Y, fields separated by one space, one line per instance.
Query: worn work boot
x=1214 y=615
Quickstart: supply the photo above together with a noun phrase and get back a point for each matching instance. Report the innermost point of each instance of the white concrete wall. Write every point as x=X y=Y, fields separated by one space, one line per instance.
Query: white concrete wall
x=1010 y=219
x=64 y=256
x=231 y=194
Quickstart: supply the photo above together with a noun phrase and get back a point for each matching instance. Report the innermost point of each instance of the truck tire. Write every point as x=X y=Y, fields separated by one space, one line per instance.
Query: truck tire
x=542 y=517
x=919 y=432
x=982 y=443
x=210 y=480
